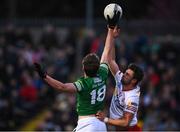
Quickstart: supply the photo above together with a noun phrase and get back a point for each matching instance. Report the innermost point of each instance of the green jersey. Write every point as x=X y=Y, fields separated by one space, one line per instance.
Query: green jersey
x=91 y=92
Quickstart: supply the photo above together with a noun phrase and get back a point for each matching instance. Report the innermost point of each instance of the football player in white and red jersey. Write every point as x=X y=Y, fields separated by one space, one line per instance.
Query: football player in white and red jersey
x=125 y=100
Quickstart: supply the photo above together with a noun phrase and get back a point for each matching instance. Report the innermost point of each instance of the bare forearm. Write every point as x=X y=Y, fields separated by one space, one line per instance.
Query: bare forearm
x=122 y=122
x=54 y=83
x=109 y=51
x=109 y=41
x=114 y=68
x=118 y=122
x=108 y=45
x=112 y=52
x=65 y=87
x=112 y=62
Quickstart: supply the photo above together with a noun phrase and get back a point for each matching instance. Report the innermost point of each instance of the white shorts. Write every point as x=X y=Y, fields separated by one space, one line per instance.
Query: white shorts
x=90 y=124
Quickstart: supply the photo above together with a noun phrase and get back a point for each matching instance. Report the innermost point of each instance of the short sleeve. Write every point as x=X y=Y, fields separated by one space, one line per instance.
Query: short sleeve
x=132 y=105
x=104 y=66
x=118 y=77
x=78 y=85
x=103 y=70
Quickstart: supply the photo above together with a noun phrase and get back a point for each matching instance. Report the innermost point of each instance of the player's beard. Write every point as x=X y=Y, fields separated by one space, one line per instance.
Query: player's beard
x=125 y=82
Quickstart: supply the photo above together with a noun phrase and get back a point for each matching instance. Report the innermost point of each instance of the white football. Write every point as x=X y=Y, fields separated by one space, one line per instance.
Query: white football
x=110 y=8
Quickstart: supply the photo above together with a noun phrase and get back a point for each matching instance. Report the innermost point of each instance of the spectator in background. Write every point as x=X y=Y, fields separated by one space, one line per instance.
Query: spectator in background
x=87 y=41
x=98 y=45
x=28 y=92
x=10 y=34
x=23 y=34
x=49 y=37
x=70 y=48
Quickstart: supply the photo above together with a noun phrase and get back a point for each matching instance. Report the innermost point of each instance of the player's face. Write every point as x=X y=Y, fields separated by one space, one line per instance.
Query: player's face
x=127 y=77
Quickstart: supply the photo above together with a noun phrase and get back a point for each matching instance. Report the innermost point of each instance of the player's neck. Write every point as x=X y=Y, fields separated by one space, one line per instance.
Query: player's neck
x=85 y=76
x=128 y=87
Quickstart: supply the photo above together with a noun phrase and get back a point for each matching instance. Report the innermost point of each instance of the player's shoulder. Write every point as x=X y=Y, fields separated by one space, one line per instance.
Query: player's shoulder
x=83 y=82
x=87 y=80
x=80 y=79
x=104 y=66
x=118 y=75
x=136 y=89
x=133 y=95
x=134 y=92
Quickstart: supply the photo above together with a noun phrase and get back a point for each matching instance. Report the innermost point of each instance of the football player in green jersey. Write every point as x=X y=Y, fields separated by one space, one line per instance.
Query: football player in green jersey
x=91 y=88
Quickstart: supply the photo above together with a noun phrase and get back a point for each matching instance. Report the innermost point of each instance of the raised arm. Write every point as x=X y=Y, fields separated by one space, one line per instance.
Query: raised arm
x=112 y=63
x=64 y=87
x=108 y=55
x=107 y=48
x=112 y=22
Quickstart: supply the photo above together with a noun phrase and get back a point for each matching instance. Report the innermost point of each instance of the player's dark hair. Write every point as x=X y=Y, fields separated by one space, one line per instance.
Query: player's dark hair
x=91 y=64
x=138 y=72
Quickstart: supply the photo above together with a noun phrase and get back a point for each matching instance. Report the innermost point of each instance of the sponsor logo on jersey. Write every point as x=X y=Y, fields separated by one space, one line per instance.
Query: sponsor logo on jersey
x=97 y=80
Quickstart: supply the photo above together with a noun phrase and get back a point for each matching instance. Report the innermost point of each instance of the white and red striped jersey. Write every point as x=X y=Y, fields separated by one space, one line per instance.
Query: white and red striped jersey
x=124 y=101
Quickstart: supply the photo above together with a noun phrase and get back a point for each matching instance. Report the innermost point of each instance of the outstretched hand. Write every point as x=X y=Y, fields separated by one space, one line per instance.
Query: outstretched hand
x=42 y=73
x=112 y=22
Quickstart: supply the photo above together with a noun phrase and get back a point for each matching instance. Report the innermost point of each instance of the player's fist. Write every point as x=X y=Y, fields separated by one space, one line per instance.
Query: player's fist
x=100 y=115
x=112 y=22
x=42 y=72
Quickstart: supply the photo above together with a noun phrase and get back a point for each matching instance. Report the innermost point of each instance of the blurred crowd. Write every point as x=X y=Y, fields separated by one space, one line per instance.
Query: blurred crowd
x=23 y=95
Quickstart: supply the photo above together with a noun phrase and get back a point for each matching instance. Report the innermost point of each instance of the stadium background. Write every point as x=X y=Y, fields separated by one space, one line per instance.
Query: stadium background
x=58 y=33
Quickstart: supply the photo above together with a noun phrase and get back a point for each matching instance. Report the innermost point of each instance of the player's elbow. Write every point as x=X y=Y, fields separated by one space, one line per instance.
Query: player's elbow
x=125 y=123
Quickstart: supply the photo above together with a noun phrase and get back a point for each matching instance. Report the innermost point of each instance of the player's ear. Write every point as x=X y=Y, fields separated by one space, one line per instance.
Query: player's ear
x=134 y=81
